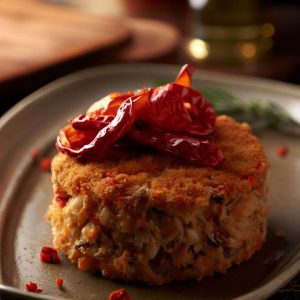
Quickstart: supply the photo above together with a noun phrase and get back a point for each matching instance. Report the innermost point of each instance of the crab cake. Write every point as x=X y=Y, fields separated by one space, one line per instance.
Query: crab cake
x=151 y=217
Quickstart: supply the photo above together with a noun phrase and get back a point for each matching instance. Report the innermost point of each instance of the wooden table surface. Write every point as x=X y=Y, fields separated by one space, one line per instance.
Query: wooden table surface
x=35 y=35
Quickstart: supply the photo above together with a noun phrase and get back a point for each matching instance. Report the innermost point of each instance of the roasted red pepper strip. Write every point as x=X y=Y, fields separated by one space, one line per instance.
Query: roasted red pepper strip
x=195 y=150
x=185 y=75
x=174 y=106
x=170 y=112
x=182 y=109
x=109 y=105
x=87 y=122
x=96 y=142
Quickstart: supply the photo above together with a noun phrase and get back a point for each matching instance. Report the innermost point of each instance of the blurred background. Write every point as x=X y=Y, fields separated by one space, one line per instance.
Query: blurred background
x=41 y=40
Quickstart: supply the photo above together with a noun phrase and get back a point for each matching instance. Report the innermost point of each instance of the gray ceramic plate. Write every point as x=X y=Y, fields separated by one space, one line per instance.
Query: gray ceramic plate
x=25 y=191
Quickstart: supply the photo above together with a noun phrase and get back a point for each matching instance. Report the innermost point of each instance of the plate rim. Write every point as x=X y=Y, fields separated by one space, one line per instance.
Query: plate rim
x=249 y=81
x=165 y=69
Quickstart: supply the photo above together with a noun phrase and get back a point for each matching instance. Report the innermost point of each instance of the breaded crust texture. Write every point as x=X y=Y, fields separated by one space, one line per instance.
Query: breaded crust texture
x=154 y=218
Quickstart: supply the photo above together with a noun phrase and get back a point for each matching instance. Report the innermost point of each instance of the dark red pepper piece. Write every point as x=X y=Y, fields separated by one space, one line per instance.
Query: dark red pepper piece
x=35 y=153
x=32 y=287
x=49 y=255
x=45 y=164
x=59 y=281
x=282 y=151
x=195 y=150
x=181 y=109
x=93 y=142
x=120 y=294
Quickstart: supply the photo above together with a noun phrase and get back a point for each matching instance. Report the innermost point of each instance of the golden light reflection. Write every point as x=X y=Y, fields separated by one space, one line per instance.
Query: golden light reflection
x=198 y=48
x=187 y=105
x=248 y=50
x=267 y=30
x=197 y=4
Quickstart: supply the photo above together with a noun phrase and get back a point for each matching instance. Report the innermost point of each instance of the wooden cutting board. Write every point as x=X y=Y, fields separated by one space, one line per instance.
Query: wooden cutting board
x=35 y=35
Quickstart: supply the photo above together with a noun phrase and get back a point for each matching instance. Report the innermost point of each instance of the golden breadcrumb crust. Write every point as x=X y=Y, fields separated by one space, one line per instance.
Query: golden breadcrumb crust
x=172 y=182
x=155 y=218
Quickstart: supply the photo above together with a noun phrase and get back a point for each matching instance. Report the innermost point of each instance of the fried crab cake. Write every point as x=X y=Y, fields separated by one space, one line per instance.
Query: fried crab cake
x=153 y=218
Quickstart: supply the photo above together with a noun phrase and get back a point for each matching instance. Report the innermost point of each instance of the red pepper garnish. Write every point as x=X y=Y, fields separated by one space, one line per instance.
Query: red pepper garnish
x=49 y=255
x=279 y=233
x=173 y=118
x=282 y=151
x=80 y=142
x=185 y=75
x=59 y=281
x=35 y=153
x=197 y=150
x=45 y=164
x=120 y=294
x=269 y=262
x=32 y=287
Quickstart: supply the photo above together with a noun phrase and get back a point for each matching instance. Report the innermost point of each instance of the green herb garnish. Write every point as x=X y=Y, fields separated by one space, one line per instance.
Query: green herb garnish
x=258 y=113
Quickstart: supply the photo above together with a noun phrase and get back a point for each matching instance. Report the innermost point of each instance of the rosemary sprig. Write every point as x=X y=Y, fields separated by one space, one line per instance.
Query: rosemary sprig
x=259 y=113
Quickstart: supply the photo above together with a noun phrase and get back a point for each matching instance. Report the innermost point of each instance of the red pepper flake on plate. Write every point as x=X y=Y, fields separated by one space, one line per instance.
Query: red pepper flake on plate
x=120 y=294
x=32 y=287
x=49 y=255
x=279 y=234
x=35 y=153
x=45 y=164
x=59 y=281
x=282 y=151
x=269 y=262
